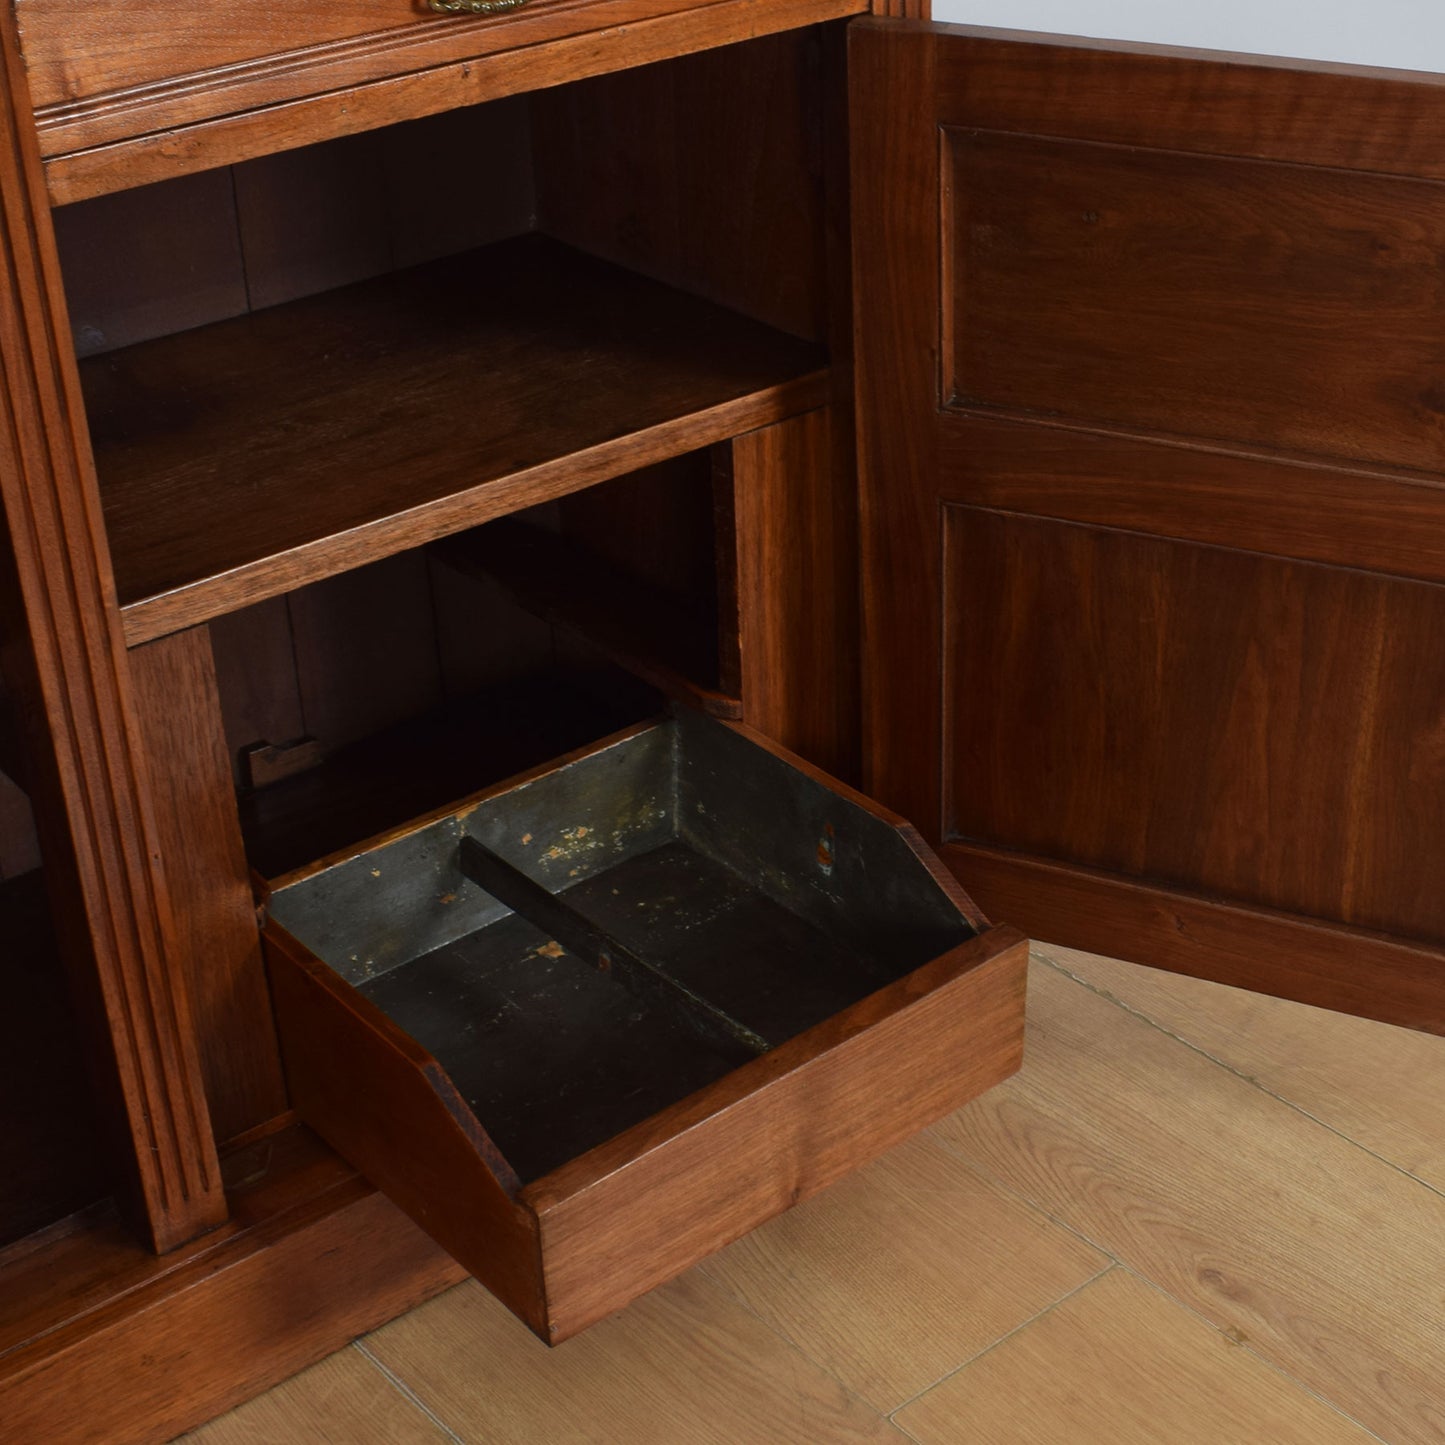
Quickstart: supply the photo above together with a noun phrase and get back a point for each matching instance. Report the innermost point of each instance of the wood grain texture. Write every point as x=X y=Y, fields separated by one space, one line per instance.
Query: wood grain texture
x=894 y=1276
x=168 y=139
x=1113 y=285
x=1204 y=103
x=88 y=780
x=1376 y=976
x=776 y=1131
x=142 y=264
x=416 y=1136
x=198 y=249
x=1140 y=330
x=1322 y=1260
x=897 y=305
x=665 y=642
x=1136 y=1366
x=364 y=644
x=658 y=527
x=117 y=1348
x=1306 y=699
x=345 y=1397
x=61 y=1276
x=256 y=680
x=1373 y=520
x=247 y=458
x=96 y=81
x=684 y=1366
x=337 y=234
x=646 y=167
x=1377 y=1085
x=210 y=884
x=794 y=520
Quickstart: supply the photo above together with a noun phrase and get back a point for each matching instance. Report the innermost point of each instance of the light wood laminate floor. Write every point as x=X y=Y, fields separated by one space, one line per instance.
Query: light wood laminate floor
x=1197 y=1217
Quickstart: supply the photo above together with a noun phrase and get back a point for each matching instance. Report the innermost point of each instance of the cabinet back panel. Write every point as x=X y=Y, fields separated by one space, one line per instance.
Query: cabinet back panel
x=19 y=847
x=1268 y=730
x=1112 y=285
x=706 y=172
x=186 y=252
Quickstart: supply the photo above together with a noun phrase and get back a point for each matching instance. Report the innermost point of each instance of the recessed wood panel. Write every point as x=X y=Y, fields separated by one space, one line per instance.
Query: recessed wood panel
x=1198 y=296
x=1265 y=730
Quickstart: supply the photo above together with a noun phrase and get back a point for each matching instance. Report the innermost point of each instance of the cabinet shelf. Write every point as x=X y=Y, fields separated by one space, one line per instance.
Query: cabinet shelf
x=670 y=646
x=251 y=456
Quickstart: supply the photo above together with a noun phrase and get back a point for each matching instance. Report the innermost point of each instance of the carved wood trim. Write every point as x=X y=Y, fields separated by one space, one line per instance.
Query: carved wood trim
x=904 y=9
x=88 y=782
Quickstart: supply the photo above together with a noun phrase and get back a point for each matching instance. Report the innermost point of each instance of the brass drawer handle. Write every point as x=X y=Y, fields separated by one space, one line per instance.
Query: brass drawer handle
x=474 y=7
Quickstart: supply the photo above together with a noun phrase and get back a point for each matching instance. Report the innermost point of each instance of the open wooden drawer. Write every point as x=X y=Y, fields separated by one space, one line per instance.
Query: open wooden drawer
x=597 y=1022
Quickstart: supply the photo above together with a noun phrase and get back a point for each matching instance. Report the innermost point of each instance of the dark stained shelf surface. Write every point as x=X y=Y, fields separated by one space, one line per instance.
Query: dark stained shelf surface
x=251 y=456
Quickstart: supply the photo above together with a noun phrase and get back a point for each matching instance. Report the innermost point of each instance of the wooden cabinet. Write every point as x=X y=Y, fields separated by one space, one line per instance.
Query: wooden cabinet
x=399 y=402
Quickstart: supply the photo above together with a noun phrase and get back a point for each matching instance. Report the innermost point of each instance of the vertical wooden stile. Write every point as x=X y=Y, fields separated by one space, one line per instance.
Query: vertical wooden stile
x=68 y=665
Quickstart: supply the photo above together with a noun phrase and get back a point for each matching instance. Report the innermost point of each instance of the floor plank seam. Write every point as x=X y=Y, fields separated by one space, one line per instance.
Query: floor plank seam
x=1049 y=962
x=772 y=1329
x=402 y=1388
x=989 y=1177
x=1253 y=1353
x=1003 y=1338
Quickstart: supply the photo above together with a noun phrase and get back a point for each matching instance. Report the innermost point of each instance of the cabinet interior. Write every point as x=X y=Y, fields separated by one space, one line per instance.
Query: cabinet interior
x=55 y=1163
x=428 y=560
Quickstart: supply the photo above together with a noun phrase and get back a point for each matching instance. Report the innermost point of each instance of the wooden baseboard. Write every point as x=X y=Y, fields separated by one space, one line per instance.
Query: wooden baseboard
x=114 y=1345
x=1395 y=980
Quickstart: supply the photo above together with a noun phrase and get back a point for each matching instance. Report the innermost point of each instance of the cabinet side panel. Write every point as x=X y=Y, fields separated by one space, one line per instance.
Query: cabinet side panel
x=794 y=515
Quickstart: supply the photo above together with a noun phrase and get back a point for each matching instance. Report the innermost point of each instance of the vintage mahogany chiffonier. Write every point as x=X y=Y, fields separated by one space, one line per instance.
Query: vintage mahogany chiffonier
x=475 y=475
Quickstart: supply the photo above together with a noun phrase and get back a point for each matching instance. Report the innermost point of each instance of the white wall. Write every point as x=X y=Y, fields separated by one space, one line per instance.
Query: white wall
x=1402 y=33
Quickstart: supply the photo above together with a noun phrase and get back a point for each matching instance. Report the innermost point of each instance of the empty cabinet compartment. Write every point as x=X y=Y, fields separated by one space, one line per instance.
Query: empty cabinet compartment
x=596 y=1023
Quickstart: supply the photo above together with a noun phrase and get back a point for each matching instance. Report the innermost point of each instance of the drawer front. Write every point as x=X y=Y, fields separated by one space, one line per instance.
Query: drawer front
x=100 y=72
x=595 y=1024
x=639 y=1211
x=88 y=48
